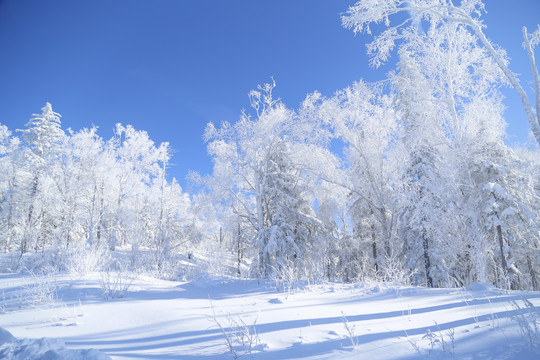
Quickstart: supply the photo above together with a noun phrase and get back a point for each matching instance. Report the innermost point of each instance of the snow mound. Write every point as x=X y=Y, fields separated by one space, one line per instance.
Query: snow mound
x=42 y=349
x=482 y=287
x=5 y=336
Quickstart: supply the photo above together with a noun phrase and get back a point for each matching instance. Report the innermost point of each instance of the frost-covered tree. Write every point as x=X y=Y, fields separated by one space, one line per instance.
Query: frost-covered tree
x=451 y=74
x=506 y=203
x=522 y=223
x=80 y=171
x=136 y=161
x=426 y=225
x=363 y=119
x=43 y=137
x=261 y=171
x=9 y=146
x=76 y=193
x=466 y=14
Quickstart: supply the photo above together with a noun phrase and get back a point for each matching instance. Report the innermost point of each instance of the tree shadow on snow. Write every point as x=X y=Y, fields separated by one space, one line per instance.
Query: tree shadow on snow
x=215 y=290
x=169 y=346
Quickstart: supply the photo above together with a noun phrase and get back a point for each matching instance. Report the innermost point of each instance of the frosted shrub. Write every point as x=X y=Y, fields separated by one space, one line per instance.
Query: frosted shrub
x=350 y=330
x=41 y=291
x=116 y=280
x=240 y=338
x=42 y=262
x=286 y=277
x=435 y=341
x=218 y=261
x=394 y=271
x=528 y=320
x=13 y=262
x=82 y=260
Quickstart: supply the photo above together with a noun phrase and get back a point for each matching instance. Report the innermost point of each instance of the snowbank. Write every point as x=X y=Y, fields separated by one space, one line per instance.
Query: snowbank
x=42 y=349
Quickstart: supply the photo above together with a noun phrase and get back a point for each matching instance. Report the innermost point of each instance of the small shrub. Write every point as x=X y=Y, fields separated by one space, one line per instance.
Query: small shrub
x=240 y=338
x=436 y=340
x=116 y=280
x=82 y=260
x=350 y=330
x=41 y=291
x=528 y=319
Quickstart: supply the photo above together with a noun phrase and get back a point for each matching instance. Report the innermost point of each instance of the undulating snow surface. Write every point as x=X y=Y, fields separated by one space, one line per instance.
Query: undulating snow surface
x=42 y=349
x=205 y=319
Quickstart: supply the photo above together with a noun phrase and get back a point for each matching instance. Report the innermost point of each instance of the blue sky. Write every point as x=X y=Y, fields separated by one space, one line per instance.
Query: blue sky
x=171 y=66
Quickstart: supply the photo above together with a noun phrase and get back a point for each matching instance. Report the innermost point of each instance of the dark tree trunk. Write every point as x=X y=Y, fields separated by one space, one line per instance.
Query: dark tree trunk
x=239 y=249
x=534 y=281
x=427 y=261
x=374 y=246
x=501 y=245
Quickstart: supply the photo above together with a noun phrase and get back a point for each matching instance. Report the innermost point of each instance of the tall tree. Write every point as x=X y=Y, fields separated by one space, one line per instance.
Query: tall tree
x=363 y=119
x=9 y=147
x=260 y=170
x=43 y=136
x=426 y=226
x=365 y=13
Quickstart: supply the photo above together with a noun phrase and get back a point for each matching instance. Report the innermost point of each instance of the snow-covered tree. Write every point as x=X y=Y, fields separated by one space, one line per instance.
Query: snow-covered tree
x=425 y=223
x=9 y=147
x=366 y=13
x=363 y=119
x=37 y=176
x=261 y=170
x=447 y=90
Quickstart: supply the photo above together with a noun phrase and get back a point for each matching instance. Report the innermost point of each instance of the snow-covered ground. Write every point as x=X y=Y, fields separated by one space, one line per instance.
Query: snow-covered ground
x=205 y=319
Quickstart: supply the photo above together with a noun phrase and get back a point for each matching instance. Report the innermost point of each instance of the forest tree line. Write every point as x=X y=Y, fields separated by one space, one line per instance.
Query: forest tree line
x=407 y=179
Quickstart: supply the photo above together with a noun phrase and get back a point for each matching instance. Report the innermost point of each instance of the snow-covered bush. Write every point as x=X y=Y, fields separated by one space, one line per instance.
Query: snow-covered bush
x=42 y=290
x=81 y=260
x=240 y=337
x=116 y=279
x=435 y=342
x=528 y=319
x=350 y=329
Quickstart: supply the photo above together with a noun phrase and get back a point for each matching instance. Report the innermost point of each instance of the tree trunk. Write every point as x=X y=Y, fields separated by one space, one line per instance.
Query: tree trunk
x=100 y=216
x=238 y=250
x=427 y=260
x=534 y=70
x=374 y=247
x=534 y=281
x=24 y=242
x=531 y=116
x=220 y=236
x=501 y=246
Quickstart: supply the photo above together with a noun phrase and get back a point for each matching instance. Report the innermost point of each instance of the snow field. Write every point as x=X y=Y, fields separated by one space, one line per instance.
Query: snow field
x=158 y=319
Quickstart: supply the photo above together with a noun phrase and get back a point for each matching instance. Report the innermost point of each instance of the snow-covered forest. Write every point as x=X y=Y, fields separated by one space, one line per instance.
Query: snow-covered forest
x=364 y=199
x=406 y=180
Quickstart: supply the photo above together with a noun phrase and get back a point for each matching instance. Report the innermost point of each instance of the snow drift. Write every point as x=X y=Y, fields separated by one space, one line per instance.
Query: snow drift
x=42 y=349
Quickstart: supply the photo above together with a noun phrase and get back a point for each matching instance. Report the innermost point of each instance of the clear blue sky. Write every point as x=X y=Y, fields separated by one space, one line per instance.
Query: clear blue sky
x=171 y=66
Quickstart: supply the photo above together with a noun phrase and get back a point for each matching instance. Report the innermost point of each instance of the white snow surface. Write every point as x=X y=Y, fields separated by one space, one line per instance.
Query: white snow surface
x=42 y=349
x=158 y=319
